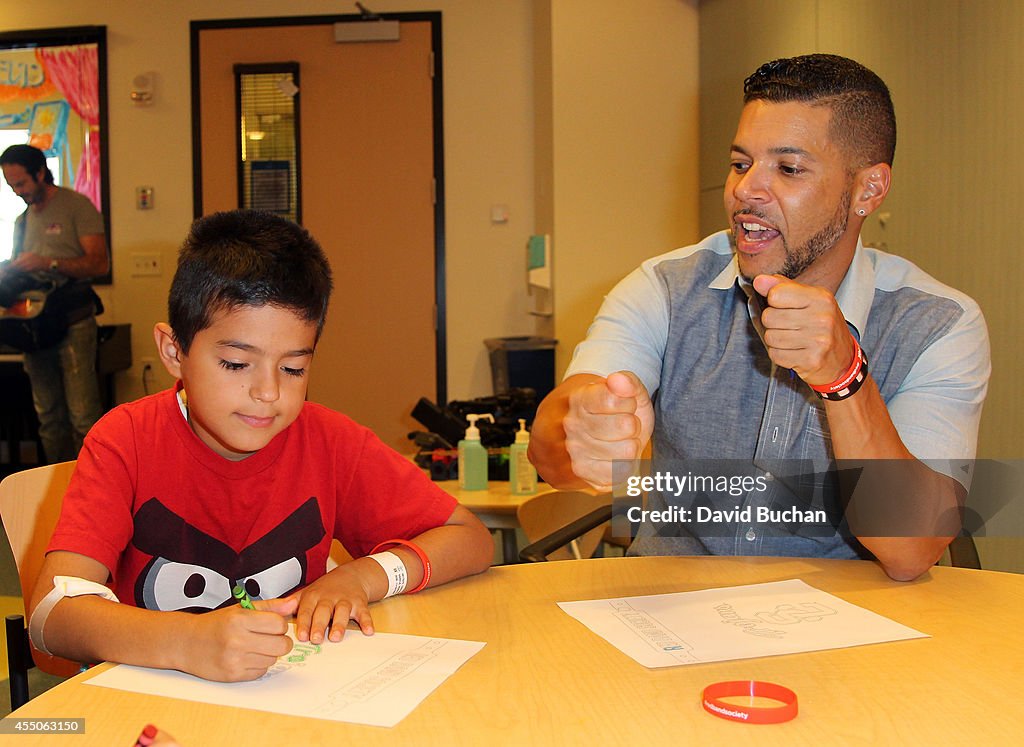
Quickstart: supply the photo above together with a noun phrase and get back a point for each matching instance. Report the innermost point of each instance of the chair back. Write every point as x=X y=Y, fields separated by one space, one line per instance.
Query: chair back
x=30 y=503
x=963 y=552
x=542 y=514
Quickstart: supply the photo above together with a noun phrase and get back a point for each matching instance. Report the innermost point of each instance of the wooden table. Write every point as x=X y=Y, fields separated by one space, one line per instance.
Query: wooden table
x=544 y=679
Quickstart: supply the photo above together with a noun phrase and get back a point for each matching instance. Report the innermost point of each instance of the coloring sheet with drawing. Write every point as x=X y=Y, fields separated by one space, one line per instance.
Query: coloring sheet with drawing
x=376 y=680
x=735 y=622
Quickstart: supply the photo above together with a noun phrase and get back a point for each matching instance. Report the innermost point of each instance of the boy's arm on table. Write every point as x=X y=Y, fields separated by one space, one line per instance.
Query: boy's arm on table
x=229 y=644
x=460 y=547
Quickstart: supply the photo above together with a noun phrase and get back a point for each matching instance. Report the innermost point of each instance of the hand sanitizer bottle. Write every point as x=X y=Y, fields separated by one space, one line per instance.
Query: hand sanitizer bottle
x=473 y=456
x=521 y=473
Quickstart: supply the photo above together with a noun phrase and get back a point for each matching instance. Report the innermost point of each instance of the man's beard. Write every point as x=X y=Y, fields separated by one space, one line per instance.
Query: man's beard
x=802 y=257
x=35 y=196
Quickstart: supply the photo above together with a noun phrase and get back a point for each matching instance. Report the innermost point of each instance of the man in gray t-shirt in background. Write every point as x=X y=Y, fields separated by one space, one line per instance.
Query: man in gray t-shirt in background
x=60 y=234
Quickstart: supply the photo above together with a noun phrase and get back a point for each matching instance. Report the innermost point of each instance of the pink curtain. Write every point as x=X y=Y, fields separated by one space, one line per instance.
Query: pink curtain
x=74 y=70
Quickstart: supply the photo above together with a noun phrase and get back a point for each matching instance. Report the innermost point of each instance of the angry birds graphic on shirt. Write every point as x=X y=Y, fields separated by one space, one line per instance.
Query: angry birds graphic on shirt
x=191 y=571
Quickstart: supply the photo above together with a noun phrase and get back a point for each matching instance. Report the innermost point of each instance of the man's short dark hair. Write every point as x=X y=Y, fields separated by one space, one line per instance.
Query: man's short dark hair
x=246 y=258
x=863 y=121
x=28 y=157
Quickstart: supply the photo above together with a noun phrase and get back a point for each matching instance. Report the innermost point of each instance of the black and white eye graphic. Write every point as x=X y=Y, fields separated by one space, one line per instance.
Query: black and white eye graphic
x=274 y=582
x=195 y=572
x=168 y=585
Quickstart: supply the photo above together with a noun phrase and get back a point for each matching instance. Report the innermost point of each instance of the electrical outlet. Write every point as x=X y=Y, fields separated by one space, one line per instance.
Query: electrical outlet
x=147 y=363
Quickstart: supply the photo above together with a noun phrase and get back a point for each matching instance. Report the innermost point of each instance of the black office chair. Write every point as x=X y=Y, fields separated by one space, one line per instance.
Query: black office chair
x=963 y=553
x=538 y=551
x=19 y=659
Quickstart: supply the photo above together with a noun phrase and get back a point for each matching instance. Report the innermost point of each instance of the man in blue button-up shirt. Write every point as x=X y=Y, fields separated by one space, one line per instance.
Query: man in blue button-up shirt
x=753 y=348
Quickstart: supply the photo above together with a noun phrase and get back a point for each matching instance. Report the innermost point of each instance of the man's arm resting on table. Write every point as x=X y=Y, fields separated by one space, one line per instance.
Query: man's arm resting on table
x=862 y=430
x=805 y=331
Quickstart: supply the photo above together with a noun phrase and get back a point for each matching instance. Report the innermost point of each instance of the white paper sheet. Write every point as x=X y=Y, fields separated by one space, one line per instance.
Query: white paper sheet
x=376 y=680
x=735 y=622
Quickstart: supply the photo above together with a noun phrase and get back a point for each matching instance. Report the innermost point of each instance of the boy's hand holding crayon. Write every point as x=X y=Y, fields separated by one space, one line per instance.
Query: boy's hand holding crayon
x=235 y=644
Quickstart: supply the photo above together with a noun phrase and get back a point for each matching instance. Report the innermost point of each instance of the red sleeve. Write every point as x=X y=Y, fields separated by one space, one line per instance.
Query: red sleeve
x=96 y=515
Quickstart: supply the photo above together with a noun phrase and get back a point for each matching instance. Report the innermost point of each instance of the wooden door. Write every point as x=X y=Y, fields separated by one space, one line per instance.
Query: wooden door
x=368 y=137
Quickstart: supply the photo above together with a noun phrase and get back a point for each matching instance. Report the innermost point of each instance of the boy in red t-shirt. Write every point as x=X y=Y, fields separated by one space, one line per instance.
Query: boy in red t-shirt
x=231 y=479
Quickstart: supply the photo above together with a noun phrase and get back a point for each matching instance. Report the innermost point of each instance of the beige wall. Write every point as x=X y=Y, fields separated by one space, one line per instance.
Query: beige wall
x=622 y=136
x=954 y=68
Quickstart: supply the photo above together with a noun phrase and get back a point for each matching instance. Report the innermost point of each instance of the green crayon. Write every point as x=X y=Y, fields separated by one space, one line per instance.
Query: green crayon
x=240 y=594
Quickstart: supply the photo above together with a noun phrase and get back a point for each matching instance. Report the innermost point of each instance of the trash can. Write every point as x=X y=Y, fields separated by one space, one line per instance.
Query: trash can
x=522 y=362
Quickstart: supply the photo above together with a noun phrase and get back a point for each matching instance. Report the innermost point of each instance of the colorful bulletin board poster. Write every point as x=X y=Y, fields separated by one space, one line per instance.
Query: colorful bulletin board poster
x=23 y=80
x=50 y=93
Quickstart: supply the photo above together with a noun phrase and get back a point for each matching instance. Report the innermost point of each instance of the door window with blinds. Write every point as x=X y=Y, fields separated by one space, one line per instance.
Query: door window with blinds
x=268 y=146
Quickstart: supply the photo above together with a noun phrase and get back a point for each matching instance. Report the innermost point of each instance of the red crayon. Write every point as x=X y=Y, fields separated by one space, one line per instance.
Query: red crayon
x=147 y=736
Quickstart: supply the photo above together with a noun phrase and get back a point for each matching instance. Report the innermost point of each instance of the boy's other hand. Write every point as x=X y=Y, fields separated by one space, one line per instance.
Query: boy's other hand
x=234 y=644
x=327 y=604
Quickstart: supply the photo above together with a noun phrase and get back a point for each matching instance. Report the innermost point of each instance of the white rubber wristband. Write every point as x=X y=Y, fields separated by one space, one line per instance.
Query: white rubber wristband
x=63 y=586
x=395 y=569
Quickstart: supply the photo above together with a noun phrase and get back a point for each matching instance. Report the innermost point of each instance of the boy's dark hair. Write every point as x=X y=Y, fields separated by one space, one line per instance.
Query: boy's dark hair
x=246 y=258
x=863 y=121
x=30 y=158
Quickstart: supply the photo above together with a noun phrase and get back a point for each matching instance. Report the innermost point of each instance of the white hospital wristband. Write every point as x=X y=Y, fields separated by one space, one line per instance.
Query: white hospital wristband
x=63 y=586
x=393 y=566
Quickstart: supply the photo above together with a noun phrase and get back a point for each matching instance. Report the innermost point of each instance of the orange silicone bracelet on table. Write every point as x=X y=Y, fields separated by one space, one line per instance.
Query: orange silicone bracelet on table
x=419 y=553
x=711 y=700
